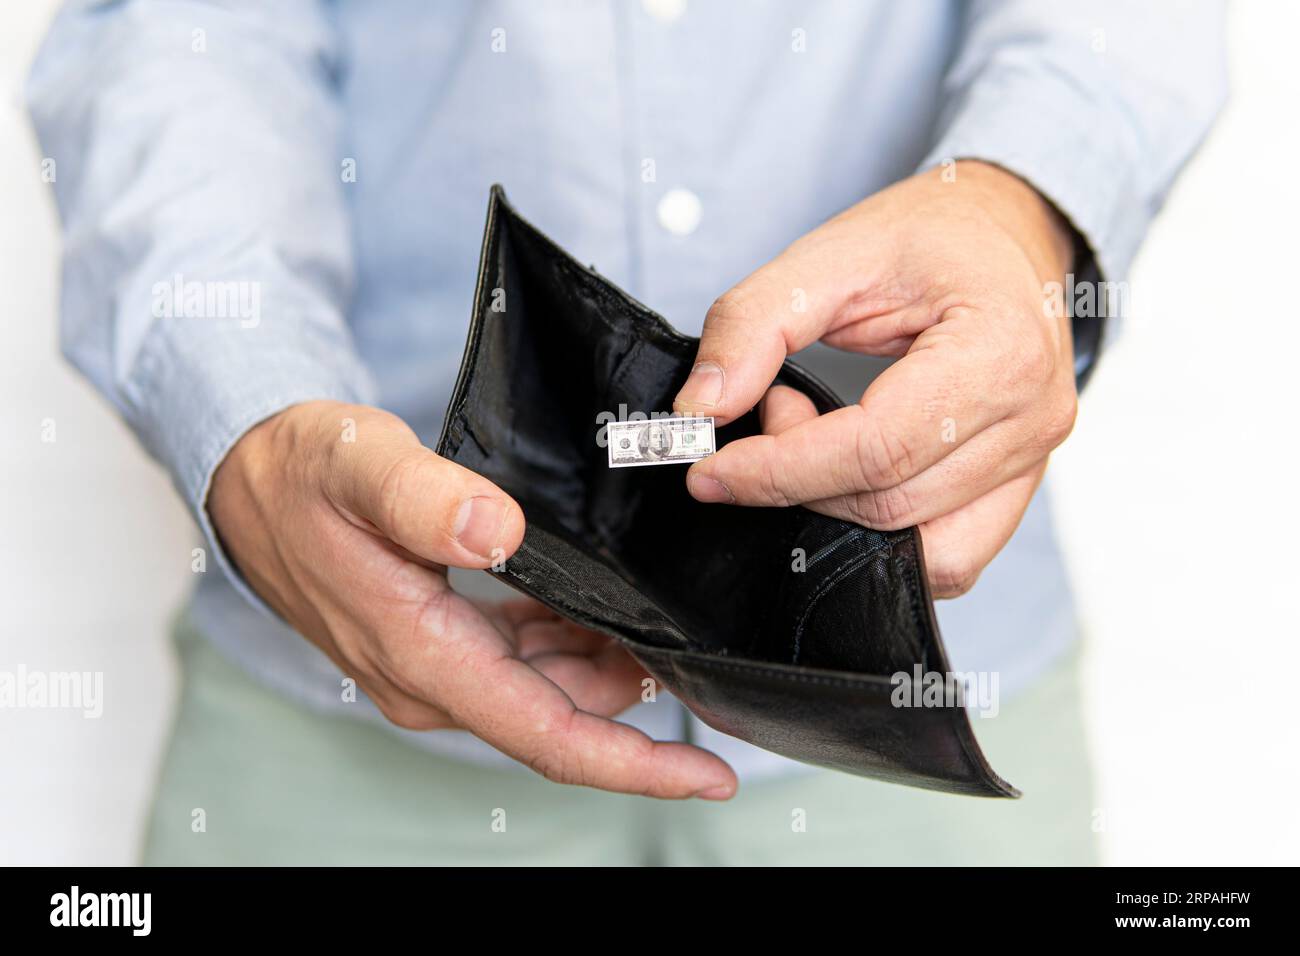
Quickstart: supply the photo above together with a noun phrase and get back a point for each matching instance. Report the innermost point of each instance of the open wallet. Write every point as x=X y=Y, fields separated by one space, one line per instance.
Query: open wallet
x=794 y=656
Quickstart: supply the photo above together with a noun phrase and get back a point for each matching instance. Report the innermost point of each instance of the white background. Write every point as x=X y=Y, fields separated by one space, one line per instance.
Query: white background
x=1176 y=497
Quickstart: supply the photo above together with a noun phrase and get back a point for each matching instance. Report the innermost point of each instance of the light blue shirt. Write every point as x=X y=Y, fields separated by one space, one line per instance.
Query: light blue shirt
x=319 y=172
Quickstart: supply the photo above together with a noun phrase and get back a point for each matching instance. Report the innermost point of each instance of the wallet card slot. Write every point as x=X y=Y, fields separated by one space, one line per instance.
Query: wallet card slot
x=825 y=586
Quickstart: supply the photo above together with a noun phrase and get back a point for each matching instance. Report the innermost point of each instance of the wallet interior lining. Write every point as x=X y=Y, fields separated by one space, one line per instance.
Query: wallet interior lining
x=655 y=566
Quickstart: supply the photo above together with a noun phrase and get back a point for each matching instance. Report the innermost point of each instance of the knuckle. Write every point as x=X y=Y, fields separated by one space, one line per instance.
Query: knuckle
x=396 y=476
x=431 y=632
x=1038 y=364
x=953 y=573
x=418 y=719
x=433 y=619
x=556 y=759
x=771 y=487
x=728 y=308
x=1053 y=425
x=886 y=510
x=1061 y=421
x=407 y=585
x=1035 y=360
x=328 y=431
x=884 y=460
x=408 y=714
x=418 y=636
x=553 y=765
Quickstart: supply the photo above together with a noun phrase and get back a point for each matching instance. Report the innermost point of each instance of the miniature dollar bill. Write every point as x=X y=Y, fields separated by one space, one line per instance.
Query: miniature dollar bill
x=660 y=441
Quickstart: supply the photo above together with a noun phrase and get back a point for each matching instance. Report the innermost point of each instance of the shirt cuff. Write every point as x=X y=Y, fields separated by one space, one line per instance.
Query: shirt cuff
x=1087 y=176
x=195 y=390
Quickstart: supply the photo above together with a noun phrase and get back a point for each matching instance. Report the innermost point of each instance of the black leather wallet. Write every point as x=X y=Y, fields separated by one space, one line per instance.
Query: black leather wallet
x=794 y=656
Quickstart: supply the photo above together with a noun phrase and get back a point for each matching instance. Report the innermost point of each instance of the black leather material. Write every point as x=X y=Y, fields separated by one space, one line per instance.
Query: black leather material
x=705 y=596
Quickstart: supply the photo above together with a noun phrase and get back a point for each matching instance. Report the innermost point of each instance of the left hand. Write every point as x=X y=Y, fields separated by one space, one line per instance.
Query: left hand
x=951 y=276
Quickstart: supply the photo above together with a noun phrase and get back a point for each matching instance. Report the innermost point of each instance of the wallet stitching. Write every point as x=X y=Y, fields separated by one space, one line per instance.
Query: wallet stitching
x=913 y=584
x=874 y=682
x=618 y=616
x=847 y=536
x=592 y=288
x=624 y=366
x=595 y=287
x=585 y=592
x=833 y=580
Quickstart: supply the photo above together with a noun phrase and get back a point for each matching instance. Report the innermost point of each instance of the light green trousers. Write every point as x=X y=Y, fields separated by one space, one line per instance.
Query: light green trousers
x=252 y=778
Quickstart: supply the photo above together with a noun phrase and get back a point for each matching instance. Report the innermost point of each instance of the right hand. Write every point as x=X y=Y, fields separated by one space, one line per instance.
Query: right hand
x=349 y=542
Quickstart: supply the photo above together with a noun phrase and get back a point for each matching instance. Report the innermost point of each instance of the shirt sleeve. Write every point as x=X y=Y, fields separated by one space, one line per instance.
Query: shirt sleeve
x=1097 y=105
x=207 y=264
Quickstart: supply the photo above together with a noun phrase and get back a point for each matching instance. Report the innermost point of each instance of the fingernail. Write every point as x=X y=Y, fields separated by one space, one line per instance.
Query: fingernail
x=704 y=387
x=709 y=490
x=721 y=792
x=478 y=525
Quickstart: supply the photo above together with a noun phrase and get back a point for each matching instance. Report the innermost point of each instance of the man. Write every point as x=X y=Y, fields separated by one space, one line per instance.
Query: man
x=273 y=214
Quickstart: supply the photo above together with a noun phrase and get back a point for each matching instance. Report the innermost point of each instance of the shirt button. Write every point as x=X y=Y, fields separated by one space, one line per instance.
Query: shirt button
x=679 y=211
x=665 y=11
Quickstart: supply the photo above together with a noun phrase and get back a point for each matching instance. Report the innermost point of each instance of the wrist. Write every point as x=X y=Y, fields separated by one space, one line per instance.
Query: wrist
x=1038 y=227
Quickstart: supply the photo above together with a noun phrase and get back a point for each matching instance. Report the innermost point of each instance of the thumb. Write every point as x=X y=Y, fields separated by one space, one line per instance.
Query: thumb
x=432 y=507
x=748 y=333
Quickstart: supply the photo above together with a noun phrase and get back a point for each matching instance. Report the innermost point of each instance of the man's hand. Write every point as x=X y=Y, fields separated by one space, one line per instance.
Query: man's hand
x=954 y=437
x=349 y=540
